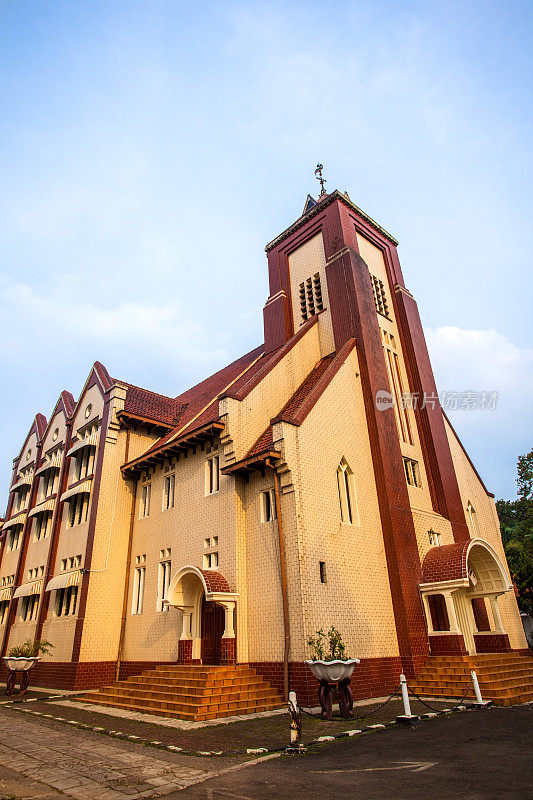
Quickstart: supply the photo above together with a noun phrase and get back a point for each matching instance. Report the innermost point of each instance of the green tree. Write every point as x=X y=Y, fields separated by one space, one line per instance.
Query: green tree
x=516 y=523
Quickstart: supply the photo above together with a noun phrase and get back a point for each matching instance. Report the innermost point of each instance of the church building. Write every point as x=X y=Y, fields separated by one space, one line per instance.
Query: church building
x=315 y=481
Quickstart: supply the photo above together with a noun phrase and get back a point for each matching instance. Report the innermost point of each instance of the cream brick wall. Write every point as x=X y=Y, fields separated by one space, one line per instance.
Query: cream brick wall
x=472 y=490
x=196 y=516
x=356 y=597
x=247 y=420
x=29 y=452
x=305 y=262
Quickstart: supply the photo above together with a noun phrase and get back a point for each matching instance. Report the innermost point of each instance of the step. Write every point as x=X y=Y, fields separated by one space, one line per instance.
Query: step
x=151 y=694
x=209 y=712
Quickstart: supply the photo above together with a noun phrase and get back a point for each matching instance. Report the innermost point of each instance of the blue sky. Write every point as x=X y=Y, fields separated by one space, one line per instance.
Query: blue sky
x=149 y=150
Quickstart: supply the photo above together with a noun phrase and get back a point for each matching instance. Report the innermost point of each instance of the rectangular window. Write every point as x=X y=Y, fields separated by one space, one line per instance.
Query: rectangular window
x=322 y=569
x=13 y=538
x=78 y=508
x=146 y=492
x=85 y=462
x=434 y=538
x=268 y=506
x=212 y=475
x=138 y=584
x=210 y=560
x=29 y=607
x=163 y=581
x=4 y=605
x=43 y=524
x=412 y=472
x=168 y=491
x=66 y=601
x=50 y=479
x=310 y=292
x=380 y=297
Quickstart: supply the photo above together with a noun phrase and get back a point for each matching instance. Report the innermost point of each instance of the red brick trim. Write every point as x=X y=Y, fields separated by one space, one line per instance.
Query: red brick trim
x=314 y=395
x=492 y=642
x=185 y=651
x=227 y=650
x=451 y=644
x=373 y=677
x=84 y=589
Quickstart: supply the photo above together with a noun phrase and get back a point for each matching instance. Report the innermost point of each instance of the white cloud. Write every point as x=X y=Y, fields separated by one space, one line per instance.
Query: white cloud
x=65 y=324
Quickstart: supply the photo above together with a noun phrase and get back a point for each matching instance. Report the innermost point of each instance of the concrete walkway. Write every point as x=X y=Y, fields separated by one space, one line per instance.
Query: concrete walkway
x=54 y=760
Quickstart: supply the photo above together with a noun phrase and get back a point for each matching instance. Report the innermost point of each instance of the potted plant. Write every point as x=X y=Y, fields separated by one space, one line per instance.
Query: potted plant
x=24 y=656
x=21 y=659
x=329 y=662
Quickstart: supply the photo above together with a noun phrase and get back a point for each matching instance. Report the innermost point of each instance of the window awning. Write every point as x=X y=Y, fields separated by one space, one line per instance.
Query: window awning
x=18 y=519
x=54 y=463
x=5 y=594
x=80 y=488
x=28 y=589
x=64 y=580
x=46 y=505
x=24 y=481
x=87 y=441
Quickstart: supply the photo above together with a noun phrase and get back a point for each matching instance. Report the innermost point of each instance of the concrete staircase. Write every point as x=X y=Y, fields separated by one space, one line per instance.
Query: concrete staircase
x=193 y=693
x=504 y=678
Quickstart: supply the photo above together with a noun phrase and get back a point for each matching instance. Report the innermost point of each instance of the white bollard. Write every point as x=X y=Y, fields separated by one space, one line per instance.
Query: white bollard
x=407 y=718
x=296 y=745
x=405 y=696
x=476 y=688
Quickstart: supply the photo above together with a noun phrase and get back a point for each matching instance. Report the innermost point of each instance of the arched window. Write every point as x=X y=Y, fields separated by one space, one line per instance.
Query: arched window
x=347 y=498
x=472 y=518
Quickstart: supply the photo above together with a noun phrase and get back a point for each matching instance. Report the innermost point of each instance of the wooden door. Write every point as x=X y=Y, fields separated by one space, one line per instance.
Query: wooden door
x=212 y=630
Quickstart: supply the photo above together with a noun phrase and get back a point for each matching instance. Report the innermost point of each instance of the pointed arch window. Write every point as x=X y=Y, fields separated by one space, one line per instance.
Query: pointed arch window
x=347 y=497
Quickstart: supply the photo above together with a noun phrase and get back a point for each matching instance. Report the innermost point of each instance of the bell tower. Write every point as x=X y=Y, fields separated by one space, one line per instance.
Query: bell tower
x=338 y=263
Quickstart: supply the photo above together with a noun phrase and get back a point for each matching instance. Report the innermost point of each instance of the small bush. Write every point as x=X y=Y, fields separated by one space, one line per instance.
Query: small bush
x=327 y=646
x=30 y=649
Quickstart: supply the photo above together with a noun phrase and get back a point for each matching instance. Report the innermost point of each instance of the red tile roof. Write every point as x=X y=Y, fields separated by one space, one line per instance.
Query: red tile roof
x=200 y=403
x=215 y=581
x=264 y=444
x=446 y=563
x=150 y=405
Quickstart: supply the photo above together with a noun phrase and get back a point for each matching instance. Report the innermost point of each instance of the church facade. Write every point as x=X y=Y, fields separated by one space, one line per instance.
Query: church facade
x=313 y=482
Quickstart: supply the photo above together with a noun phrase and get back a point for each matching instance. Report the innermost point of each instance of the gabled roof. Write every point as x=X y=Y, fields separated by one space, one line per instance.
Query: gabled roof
x=295 y=410
x=66 y=403
x=199 y=405
x=144 y=404
x=38 y=427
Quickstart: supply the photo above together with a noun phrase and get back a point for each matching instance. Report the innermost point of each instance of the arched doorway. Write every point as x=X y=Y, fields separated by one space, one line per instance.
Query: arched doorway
x=457 y=582
x=207 y=606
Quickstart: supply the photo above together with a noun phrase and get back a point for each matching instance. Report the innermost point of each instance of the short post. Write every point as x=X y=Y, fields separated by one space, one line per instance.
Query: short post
x=480 y=703
x=296 y=745
x=408 y=719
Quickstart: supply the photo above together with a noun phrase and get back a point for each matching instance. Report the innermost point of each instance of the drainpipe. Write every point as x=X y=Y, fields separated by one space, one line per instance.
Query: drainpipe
x=284 y=592
x=128 y=566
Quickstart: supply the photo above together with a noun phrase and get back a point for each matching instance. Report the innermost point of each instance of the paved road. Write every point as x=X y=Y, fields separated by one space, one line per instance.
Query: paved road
x=484 y=755
x=44 y=759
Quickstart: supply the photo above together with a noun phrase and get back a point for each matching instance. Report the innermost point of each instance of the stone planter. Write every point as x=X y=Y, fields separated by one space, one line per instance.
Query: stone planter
x=22 y=665
x=339 y=672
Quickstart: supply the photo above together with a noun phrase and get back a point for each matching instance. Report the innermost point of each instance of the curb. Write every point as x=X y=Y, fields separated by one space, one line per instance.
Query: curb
x=367 y=729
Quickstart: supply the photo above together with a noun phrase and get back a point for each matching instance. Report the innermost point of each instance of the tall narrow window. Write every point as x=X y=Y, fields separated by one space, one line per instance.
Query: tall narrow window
x=4 y=605
x=85 y=462
x=412 y=472
x=212 y=475
x=146 y=492
x=322 y=570
x=50 y=482
x=268 y=506
x=78 y=509
x=43 y=523
x=29 y=607
x=472 y=518
x=13 y=538
x=347 y=498
x=210 y=560
x=163 y=581
x=138 y=584
x=66 y=601
x=168 y=491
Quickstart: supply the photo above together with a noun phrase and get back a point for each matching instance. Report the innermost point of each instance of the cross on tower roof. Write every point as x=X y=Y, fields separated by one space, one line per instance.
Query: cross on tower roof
x=320 y=179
